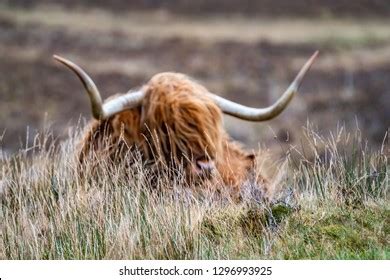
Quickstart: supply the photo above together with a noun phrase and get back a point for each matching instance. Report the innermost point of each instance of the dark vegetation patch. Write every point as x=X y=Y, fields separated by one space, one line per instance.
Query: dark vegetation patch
x=270 y=8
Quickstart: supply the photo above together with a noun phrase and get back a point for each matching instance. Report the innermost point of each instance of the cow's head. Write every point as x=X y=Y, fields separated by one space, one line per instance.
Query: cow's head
x=178 y=119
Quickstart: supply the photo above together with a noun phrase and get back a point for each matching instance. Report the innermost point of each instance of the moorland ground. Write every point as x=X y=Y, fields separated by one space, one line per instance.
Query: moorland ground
x=333 y=200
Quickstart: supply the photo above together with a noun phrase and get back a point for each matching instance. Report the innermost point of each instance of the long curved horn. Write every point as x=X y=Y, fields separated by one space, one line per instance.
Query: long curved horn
x=89 y=85
x=102 y=111
x=263 y=114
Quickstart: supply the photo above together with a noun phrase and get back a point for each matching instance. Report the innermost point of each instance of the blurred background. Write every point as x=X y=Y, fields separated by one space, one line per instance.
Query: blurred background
x=245 y=50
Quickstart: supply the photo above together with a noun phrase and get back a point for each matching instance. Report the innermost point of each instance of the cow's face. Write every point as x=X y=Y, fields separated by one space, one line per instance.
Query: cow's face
x=181 y=123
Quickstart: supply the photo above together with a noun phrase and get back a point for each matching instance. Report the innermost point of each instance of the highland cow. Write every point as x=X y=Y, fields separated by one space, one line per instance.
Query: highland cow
x=174 y=120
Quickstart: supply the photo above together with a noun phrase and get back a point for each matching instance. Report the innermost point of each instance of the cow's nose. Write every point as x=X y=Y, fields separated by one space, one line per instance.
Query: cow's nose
x=205 y=167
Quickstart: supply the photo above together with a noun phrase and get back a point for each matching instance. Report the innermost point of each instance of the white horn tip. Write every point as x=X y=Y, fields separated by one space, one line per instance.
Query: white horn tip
x=314 y=56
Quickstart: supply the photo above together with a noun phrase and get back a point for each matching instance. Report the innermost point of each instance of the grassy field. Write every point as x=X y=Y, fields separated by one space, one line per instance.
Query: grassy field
x=334 y=205
x=248 y=59
x=331 y=185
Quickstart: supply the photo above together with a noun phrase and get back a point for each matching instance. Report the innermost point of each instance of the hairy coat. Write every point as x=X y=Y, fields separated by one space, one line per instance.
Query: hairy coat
x=177 y=124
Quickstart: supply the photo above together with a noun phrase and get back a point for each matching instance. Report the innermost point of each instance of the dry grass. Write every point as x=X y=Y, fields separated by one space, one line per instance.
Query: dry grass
x=332 y=204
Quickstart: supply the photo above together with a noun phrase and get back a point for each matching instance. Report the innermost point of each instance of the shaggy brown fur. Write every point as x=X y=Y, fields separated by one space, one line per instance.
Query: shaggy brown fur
x=177 y=124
